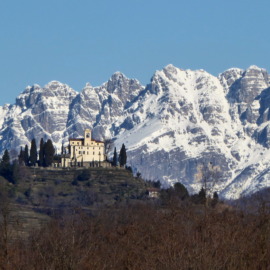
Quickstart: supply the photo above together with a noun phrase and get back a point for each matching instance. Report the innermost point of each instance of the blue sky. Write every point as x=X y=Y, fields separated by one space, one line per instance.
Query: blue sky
x=87 y=41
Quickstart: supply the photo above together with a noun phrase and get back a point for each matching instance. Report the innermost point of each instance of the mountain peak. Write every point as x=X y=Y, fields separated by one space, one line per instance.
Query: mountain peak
x=254 y=67
x=88 y=85
x=29 y=89
x=233 y=70
x=118 y=76
x=257 y=70
x=54 y=84
x=169 y=66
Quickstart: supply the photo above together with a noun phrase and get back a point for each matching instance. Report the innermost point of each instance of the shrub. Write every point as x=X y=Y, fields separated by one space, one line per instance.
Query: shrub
x=84 y=175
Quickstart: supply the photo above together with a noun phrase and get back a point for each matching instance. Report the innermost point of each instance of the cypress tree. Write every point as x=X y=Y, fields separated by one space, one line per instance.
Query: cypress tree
x=26 y=155
x=202 y=196
x=15 y=172
x=21 y=157
x=6 y=158
x=5 y=167
x=123 y=156
x=115 y=158
x=41 y=153
x=62 y=149
x=48 y=153
x=215 y=199
x=5 y=161
x=33 y=153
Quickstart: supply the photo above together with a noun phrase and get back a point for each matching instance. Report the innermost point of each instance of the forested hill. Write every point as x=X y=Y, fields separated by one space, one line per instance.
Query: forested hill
x=98 y=219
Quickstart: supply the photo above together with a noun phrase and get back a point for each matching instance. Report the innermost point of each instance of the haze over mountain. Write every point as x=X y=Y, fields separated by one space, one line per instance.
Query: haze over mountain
x=180 y=123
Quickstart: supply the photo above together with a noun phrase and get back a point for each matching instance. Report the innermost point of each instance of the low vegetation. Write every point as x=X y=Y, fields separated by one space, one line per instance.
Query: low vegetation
x=103 y=219
x=145 y=235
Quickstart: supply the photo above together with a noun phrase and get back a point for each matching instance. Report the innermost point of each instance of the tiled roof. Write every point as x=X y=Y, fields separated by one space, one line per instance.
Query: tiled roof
x=73 y=139
x=81 y=140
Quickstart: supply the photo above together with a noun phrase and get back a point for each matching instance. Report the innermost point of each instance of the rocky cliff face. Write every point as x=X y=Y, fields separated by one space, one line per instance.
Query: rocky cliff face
x=99 y=107
x=38 y=112
x=183 y=126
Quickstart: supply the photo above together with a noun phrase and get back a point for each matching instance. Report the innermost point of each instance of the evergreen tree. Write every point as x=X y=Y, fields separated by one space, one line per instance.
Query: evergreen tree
x=123 y=156
x=157 y=184
x=21 y=157
x=15 y=171
x=62 y=149
x=41 y=153
x=202 y=196
x=33 y=153
x=115 y=158
x=181 y=191
x=215 y=199
x=48 y=153
x=5 y=167
x=26 y=155
x=5 y=161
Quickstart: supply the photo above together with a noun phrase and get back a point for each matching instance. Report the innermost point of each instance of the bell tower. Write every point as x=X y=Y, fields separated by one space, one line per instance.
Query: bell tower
x=87 y=137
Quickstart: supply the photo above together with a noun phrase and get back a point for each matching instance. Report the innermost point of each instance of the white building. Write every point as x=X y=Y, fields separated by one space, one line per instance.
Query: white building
x=85 y=152
x=153 y=193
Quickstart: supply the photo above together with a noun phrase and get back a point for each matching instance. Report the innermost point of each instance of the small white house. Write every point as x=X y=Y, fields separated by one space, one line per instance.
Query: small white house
x=153 y=193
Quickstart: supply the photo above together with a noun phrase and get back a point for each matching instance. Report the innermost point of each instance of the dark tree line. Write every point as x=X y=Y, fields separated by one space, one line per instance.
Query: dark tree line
x=5 y=166
x=120 y=159
x=45 y=156
x=10 y=170
x=33 y=153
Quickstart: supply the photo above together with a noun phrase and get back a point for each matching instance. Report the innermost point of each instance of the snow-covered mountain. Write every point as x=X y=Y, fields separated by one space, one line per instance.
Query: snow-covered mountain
x=183 y=126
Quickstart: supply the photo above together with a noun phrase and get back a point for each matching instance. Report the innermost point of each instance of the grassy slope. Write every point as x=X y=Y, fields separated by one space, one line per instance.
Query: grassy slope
x=41 y=193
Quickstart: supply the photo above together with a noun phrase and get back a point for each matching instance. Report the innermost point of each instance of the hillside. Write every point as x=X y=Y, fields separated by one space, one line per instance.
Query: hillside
x=43 y=193
x=173 y=234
